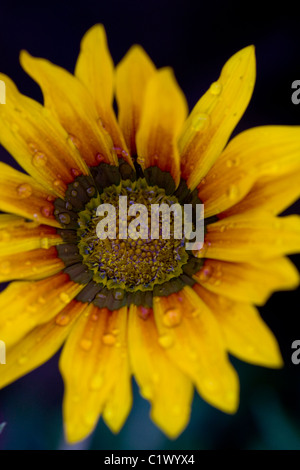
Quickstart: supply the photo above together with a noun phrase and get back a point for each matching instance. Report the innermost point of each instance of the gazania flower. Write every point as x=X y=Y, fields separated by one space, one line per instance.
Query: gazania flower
x=144 y=308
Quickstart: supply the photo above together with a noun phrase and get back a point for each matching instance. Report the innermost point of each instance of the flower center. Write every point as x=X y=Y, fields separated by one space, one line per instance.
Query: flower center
x=126 y=255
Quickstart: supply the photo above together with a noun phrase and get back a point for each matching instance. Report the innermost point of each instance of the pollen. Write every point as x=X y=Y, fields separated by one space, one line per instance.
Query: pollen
x=137 y=261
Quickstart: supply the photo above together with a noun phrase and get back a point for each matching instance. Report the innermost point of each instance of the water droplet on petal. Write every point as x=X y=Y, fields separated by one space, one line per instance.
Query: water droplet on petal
x=44 y=243
x=166 y=341
x=200 y=122
x=64 y=218
x=86 y=344
x=39 y=159
x=172 y=317
x=22 y=360
x=62 y=319
x=205 y=273
x=232 y=191
x=215 y=88
x=75 y=140
x=100 y=158
x=108 y=339
x=47 y=211
x=24 y=190
x=96 y=382
x=5 y=267
x=75 y=172
x=144 y=312
x=64 y=297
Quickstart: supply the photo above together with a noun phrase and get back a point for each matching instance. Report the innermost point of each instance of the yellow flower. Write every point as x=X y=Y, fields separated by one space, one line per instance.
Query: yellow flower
x=145 y=308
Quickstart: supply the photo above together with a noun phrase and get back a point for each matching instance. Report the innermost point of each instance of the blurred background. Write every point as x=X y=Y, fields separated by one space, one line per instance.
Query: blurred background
x=195 y=38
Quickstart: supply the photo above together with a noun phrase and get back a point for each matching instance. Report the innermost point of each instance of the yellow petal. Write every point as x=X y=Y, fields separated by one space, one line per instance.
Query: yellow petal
x=132 y=76
x=271 y=193
x=262 y=152
x=195 y=344
x=161 y=382
x=24 y=305
x=246 y=335
x=95 y=69
x=17 y=235
x=249 y=237
x=245 y=282
x=215 y=116
x=93 y=359
x=38 y=345
x=30 y=265
x=163 y=114
x=72 y=105
x=22 y=195
x=37 y=141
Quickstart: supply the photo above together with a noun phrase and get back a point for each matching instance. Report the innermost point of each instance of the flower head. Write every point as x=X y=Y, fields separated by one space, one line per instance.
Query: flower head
x=142 y=306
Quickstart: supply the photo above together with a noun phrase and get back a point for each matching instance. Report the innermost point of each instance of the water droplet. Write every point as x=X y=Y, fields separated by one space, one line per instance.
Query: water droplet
x=91 y=191
x=44 y=243
x=47 y=211
x=108 y=339
x=100 y=158
x=96 y=382
x=215 y=88
x=210 y=384
x=50 y=198
x=75 y=172
x=39 y=159
x=166 y=341
x=58 y=183
x=24 y=190
x=233 y=162
x=62 y=319
x=172 y=317
x=144 y=312
x=86 y=344
x=22 y=360
x=5 y=267
x=232 y=191
x=64 y=218
x=64 y=297
x=200 y=122
x=118 y=294
x=75 y=140
x=205 y=273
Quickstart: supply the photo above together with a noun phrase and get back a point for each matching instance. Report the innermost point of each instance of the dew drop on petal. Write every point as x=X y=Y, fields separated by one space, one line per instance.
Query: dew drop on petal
x=75 y=172
x=64 y=218
x=205 y=273
x=166 y=341
x=144 y=312
x=46 y=211
x=200 y=122
x=100 y=158
x=39 y=159
x=96 y=382
x=108 y=339
x=215 y=88
x=64 y=297
x=22 y=360
x=44 y=243
x=62 y=319
x=5 y=267
x=86 y=344
x=24 y=191
x=172 y=317
x=232 y=191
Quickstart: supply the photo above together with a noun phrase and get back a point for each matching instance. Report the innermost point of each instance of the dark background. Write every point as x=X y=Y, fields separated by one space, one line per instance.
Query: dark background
x=195 y=38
